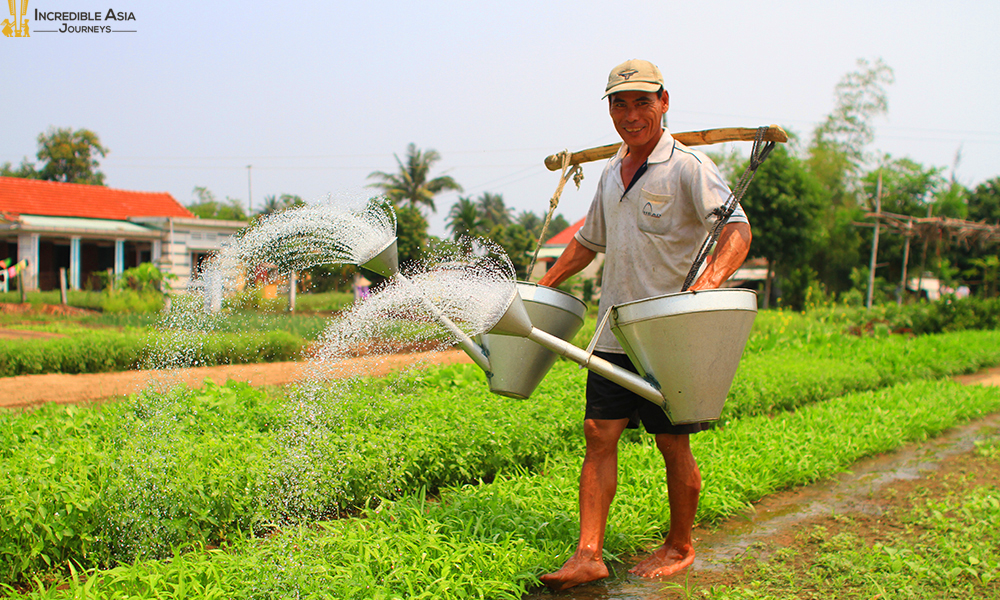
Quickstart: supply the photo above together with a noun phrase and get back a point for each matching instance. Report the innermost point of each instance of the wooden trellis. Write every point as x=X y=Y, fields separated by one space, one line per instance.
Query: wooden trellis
x=936 y=229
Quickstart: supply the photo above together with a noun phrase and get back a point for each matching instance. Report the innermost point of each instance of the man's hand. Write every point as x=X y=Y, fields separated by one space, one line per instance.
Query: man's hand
x=730 y=252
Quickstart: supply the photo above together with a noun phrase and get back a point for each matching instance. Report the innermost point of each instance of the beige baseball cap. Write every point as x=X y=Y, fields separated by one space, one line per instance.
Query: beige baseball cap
x=634 y=76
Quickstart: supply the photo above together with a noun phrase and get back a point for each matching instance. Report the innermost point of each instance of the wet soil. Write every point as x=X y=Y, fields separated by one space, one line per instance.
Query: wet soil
x=868 y=491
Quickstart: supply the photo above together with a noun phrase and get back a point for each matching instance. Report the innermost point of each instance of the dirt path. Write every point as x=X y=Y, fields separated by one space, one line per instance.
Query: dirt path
x=32 y=390
x=989 y=376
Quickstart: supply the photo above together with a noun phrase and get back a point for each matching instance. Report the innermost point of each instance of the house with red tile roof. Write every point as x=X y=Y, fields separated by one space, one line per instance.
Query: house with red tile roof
x=90 y=229
x=553 y=248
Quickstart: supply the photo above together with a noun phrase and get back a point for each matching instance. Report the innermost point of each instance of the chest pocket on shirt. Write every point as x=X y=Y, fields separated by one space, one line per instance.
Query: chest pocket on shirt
x=653 y=214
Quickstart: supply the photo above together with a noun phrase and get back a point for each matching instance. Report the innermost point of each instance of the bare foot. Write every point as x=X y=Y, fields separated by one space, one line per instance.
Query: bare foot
x=577 y=570
x=667 y=560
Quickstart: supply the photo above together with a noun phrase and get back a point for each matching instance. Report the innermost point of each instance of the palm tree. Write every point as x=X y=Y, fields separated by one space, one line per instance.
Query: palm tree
x=411 y=184
x=531 y=222
x=464 y=218
x=493 y=210
x=273 y=204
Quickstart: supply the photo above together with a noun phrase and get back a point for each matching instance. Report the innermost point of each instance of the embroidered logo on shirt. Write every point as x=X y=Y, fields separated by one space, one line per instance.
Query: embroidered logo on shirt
x=649 y=212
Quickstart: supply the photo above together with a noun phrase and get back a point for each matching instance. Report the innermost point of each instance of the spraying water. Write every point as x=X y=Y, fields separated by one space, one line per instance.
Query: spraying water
x=457 y=292
x=295 y=240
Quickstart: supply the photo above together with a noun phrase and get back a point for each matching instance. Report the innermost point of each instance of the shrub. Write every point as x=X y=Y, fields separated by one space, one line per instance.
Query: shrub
x=106 y=351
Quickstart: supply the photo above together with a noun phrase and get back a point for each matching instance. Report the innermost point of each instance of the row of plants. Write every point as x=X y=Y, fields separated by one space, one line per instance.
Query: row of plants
x=773 y=330
x=127 y=301
x=306 y=326
x=100 y=486
x=101 y=351
x=76 y=298
x=790 y=376
x=492 y=540
x=204 y=466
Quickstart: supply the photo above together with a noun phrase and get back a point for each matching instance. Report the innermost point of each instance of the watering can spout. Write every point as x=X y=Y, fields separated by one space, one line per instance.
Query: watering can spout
x=385 y=262
x=515 y=320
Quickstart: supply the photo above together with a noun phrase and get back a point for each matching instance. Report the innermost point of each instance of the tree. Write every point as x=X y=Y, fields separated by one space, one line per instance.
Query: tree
x=836 y=157
x=411 y=233
x=952 y=200
x=861 y=96
x=273 y=204
x=908 y=187
x=984 y=202
x=411 y=185
x=531 y=222
x=489 y=217
x=556 y=225
x=65 y=155
x=464 y=218
x=493 y=210
x=207 y=207
x=25 y=171
x=783 y=204
x=518 y=245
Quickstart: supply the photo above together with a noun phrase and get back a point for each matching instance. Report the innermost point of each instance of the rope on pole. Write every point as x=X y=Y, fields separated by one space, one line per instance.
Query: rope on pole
x=757 y=156
x=568 y=170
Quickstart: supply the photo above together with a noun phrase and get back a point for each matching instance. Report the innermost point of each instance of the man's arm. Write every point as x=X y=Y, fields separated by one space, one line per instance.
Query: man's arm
x=730 y=252
x=574 y=258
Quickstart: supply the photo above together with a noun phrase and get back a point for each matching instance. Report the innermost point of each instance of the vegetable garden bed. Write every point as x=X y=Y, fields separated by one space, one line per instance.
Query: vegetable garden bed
x=461 y=493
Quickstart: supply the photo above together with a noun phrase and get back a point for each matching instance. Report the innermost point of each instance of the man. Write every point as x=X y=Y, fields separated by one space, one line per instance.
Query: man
x=651 y=212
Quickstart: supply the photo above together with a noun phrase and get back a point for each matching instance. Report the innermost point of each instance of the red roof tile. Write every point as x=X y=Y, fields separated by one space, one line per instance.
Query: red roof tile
x=50 y=198
x=563 y=237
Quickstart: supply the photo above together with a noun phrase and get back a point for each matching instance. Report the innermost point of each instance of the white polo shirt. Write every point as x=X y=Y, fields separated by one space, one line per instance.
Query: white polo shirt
x=652 y=234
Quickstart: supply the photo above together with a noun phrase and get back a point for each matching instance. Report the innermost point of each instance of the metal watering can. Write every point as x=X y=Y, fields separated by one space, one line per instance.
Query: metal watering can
x=686 y=346
x=514 y=366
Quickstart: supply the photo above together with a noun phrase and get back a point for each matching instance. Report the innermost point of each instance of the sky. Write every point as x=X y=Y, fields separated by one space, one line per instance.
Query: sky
x=316 y=96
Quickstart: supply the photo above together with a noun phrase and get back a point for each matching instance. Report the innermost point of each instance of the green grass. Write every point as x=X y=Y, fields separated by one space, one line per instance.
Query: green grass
x=492 y=540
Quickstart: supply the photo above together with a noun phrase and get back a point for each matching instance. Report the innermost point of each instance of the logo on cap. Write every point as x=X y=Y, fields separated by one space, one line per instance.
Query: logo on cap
x=626 y=74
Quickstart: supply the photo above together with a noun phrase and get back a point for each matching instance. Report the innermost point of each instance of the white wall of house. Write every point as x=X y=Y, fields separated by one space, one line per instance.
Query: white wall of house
x=183 y=240
x=27 y=248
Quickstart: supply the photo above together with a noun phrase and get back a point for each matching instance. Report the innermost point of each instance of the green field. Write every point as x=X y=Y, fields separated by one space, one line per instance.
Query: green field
x=423 y=484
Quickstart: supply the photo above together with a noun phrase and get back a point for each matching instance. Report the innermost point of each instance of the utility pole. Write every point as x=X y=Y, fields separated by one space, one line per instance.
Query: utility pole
x=878 y=223
x=906 y=259
x=923 y=259
x=249 y=192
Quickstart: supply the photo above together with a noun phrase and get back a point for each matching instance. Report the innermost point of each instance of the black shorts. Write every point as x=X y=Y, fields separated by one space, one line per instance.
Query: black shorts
x=608 y=400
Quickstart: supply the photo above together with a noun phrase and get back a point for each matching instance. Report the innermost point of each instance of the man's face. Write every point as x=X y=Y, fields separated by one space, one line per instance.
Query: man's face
x=638 y=116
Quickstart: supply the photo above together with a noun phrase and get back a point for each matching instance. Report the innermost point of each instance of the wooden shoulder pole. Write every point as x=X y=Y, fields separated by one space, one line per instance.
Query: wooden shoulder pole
x=688 y=138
